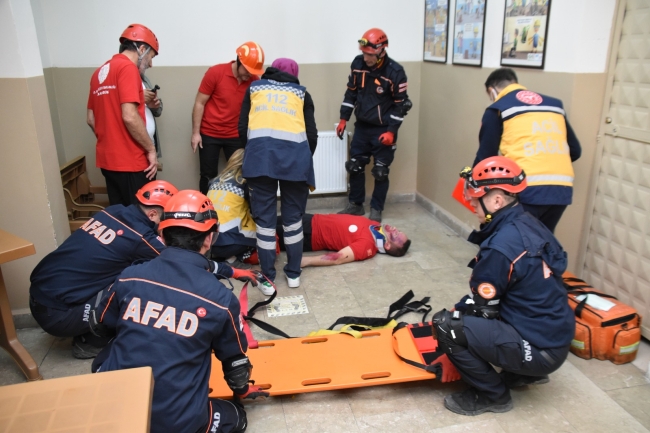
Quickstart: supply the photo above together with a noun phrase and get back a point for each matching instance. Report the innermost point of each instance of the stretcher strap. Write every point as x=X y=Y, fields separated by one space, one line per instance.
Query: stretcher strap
x=247 y=315
x=422 y=336
x=355 y=329
x=425 y=367
x=396 y=310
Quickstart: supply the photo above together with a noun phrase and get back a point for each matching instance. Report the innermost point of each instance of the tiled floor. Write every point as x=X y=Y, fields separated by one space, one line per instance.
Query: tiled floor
x=583 y=396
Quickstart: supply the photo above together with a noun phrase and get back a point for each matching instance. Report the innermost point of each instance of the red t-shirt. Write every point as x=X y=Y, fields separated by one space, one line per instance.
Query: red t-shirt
x=335 y=232
x=221 y=115
x=115 y=83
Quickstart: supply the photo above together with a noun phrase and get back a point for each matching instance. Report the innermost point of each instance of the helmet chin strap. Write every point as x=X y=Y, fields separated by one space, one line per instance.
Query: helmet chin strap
x=490 y=215
x=140 y=56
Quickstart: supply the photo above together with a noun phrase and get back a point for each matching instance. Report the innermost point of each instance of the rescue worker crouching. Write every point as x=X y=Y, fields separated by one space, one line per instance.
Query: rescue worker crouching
x=170 y=314
x=517 y=317
x=69 y=282
x=377 y=94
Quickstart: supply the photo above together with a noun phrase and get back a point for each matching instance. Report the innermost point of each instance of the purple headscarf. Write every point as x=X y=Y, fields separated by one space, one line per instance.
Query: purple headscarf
x=286 y=65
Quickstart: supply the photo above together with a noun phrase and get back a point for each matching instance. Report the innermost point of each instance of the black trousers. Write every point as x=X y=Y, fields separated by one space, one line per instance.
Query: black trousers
x=306 y=230
x=223 y=252
x=226 y=416
x=365 y=144
x=548 y=214
x=67 y=322
x=122 y=185
x=493 y=342
x=209 y=157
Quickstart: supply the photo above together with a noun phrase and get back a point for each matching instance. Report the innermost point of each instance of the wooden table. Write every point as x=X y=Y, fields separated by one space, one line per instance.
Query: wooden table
x=12 y=248
x=114 y=401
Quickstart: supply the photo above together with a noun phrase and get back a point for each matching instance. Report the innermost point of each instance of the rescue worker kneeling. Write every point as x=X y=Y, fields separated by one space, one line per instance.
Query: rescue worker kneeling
x=517 y=316
x=170 y=314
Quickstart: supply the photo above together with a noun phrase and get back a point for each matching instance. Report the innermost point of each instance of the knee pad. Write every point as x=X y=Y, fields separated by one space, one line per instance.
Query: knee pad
x=354 y=166
x=448 y=330
x=380 y=172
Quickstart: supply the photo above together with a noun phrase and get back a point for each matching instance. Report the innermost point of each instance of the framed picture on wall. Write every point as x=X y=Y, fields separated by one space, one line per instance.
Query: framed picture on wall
x=469 y=25
x=436 y=28
x=525 y=30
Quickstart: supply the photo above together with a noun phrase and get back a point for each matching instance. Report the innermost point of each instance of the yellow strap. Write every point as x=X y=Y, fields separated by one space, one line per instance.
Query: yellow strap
x=347 y=329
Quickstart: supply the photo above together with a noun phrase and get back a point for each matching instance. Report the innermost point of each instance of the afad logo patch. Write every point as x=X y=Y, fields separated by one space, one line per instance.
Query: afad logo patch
x=528 y=97
x=486 y=291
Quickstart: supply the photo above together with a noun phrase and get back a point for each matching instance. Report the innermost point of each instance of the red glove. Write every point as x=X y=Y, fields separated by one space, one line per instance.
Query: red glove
x=387 y=138
x=445 y=370
x=341 y=128
x=252 y=393
x=245 y=276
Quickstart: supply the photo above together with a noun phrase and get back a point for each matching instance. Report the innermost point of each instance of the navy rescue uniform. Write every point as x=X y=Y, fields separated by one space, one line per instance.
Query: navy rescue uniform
x=277 y=122
x=519 y=267
x=68 y=282
x=532 y=130
x=377 y=97
x=170 y=313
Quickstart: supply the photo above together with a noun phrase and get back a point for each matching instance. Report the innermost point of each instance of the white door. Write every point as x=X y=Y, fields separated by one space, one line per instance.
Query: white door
x=617 y=257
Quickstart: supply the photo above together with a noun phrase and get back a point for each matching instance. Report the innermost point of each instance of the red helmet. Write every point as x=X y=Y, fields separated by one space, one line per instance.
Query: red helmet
x=251 y=56
x=374 y=41
x=190 y=209
x=140 y=33
x=495 y=172
x=156 y=193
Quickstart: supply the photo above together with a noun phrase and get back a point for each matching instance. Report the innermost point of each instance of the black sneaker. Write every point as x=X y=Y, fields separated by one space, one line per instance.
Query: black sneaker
x=353 y=209
x=375 y=215
x=83 y=350
x=471 y=402
x=514 y=380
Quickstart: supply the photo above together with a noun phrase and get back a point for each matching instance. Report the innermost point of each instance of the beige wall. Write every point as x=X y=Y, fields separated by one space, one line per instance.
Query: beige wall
x=326 y=84
x=30 y=187
x=453 y=102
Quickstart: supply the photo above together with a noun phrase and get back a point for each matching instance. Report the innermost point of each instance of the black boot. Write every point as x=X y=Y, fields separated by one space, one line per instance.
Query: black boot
x=472 y=402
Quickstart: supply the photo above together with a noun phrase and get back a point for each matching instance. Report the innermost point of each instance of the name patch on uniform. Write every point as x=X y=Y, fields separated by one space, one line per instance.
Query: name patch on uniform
x=99 y=230
x=528 y=97
x=486 y=290
x=165 y=317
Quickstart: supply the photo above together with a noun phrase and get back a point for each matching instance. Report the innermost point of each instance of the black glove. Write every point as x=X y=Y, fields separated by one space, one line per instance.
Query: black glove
x=252 y=392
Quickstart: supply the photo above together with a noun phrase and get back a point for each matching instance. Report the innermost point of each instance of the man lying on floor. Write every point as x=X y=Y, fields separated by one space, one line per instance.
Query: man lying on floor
x=350 y=237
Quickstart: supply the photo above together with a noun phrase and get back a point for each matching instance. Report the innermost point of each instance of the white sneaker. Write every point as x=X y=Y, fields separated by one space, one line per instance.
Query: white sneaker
x=293 y=282
x=266 y=288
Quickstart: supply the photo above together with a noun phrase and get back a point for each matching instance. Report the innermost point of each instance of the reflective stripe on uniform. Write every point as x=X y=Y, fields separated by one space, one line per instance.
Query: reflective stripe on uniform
x=264 y=231
x=266 y=245
x=277 y=134
x=289 y=240
x=549 y=178
x=396 y=118
x=347 y=105
x=292 y=227
x=514 y=110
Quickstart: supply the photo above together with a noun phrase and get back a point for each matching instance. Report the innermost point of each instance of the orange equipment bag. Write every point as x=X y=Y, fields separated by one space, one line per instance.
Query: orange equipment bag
x=611 y=332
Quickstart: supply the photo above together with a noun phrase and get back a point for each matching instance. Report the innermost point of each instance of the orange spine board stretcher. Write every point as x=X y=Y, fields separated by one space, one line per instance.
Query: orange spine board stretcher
x=325 y=363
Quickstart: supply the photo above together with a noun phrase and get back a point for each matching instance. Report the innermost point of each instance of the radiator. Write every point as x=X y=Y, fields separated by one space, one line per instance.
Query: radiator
x=329 y=163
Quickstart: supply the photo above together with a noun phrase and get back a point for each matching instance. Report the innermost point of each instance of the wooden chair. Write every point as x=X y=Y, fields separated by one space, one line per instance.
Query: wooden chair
x=79 y=194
